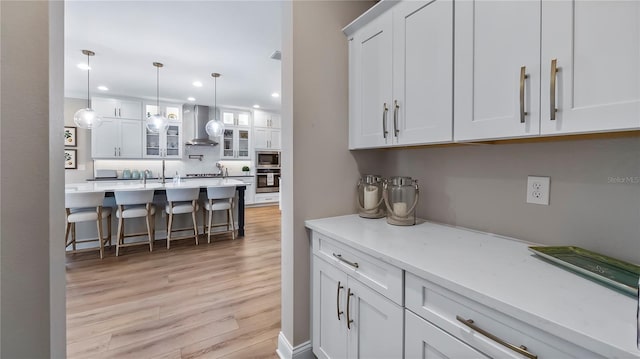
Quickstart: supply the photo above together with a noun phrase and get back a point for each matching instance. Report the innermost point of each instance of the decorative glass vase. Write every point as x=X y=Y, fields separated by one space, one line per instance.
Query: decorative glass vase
x=401 y=197
x=370 y=197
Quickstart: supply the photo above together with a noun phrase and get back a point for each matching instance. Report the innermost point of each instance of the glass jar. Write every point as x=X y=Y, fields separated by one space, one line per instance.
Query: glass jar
x=370 y=196
x=401 y=197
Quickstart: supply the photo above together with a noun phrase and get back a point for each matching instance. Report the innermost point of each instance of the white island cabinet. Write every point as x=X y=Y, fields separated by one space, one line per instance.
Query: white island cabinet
x=450 y=292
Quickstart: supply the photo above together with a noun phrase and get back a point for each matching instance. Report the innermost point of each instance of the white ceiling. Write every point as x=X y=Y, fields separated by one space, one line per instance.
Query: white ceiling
x=191 y=38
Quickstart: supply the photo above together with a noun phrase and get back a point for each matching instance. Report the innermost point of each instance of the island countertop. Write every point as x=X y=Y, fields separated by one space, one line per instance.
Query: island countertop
x=500 y=273
x=115 y=185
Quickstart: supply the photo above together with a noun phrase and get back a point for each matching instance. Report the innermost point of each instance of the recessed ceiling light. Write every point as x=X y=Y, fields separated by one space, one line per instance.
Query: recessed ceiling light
x=84 y=67
x=256 y=106
x=191 y=98
x=103 y=88
x=197 y=83
x=275 y=94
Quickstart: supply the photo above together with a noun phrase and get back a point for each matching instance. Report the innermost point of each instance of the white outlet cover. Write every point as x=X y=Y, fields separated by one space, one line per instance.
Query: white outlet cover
x=538 y=189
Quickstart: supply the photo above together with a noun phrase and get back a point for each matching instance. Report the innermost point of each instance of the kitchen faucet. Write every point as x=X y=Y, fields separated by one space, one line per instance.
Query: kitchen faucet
x=145 y=174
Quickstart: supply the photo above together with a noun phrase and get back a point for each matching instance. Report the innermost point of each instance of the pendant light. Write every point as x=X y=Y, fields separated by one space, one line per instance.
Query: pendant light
x=215 y=128
x=87 y=118
x=157 y=123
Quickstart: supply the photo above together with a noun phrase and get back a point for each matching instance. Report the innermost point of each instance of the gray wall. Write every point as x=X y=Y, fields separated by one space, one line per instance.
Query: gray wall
x=85 y=163
x=25 y=175
x=318 y=171
x=594 y=198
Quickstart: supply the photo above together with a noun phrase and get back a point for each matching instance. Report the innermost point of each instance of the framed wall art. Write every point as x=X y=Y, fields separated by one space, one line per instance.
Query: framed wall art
x=70 y=159
x=70 y=136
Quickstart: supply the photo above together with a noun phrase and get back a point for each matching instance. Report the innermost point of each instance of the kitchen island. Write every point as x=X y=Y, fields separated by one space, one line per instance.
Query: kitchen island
x=110 y=186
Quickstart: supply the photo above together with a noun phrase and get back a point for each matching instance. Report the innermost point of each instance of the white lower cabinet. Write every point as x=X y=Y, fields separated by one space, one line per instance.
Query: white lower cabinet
x=351 y=320
x=424 y=340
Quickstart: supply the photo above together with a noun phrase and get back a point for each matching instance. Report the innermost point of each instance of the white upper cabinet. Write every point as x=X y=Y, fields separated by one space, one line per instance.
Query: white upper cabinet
x=117 y=138
x=596 y=45
x=117 y=108
x=422 y=72
x=265 y=119
x=236 y=118
x=497 y=69
x=401 y=76
x=266 y=139
x=370 y=66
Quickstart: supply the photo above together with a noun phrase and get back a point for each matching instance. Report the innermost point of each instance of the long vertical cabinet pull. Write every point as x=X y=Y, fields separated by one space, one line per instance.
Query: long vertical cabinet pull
x=552 y=91
x=349 y=320
x=385 y=109
x=115 y=151
x=396 y=107
x=338 y=300
x=523 y=77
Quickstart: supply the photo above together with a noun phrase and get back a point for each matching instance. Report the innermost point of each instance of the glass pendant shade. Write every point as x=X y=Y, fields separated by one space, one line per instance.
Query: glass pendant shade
x=87 y=118
x=214 y=128
x=157 y=123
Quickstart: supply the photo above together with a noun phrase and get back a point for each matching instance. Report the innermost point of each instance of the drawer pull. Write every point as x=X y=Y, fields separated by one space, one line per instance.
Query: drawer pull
x=349 y=320
x=522 y=350
x=338 y=300
x=353 y=264
x=385 y=109
x=552 y=92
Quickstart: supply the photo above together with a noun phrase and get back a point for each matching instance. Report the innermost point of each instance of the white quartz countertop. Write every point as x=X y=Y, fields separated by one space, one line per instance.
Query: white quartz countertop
x=110 y=186
x=501 y=273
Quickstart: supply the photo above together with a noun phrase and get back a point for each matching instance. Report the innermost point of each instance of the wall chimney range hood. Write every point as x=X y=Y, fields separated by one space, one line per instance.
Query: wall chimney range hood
x=198 y=115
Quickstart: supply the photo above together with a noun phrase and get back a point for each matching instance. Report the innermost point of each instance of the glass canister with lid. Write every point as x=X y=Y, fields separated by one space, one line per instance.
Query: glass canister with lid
x=401 y=197
x=370 y=199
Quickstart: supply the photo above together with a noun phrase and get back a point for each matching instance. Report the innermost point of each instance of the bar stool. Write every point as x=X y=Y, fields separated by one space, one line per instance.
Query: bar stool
x=85 y=207
x=220 y=199
x=135 y=204
x=181 y=201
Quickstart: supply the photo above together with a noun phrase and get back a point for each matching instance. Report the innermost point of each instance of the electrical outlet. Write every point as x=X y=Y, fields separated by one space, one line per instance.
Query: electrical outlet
x=538 y=189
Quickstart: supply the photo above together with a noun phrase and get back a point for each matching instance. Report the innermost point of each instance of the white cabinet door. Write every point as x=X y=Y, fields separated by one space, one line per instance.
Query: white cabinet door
x=376 y=330
x=116 y=108
x=130 y=139
x=260 y=118
x=275 y=143
x=424 y=340
x=329 y=311
x=235 y=144
x=266 y=138
x=130 y=109
x=370 y=97
x=275 y=121
x=422 y=111
x=105 y=139
x=494 y=41
x=597 y=48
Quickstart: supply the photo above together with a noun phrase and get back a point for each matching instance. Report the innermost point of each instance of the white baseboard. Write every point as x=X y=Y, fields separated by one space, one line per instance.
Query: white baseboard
x=287 y=351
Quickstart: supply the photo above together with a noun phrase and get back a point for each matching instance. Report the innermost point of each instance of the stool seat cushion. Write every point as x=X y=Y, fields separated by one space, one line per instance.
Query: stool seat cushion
x=134 y=211
x=86 y=214
x=217 y=205
x=181 y=207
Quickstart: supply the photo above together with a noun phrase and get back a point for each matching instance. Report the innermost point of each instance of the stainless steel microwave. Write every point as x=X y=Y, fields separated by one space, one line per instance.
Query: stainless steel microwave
x=267 y=159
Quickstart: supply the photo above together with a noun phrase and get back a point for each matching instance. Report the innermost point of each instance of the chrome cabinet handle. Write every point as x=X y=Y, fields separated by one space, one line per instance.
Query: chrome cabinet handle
x=396 y=107
x=552 y=91
x=353 y=264
x=115 y=151
x=115 y=112
x=523 y=77
x=522 y=350
x=384 y=120
x=338 y=300
x=349 y=320
x=120 y=112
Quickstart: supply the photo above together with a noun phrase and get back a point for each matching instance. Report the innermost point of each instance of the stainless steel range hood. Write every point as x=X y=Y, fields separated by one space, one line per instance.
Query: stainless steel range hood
x=198 y=115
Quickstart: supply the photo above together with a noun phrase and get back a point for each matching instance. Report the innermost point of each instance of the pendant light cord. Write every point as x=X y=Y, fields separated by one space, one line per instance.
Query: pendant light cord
x=158 y=89
x=215 y=97
x=88 y=71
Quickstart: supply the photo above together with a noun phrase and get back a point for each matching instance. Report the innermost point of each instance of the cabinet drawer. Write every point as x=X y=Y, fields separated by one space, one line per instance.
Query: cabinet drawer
x=376 y=274
x=442 y=307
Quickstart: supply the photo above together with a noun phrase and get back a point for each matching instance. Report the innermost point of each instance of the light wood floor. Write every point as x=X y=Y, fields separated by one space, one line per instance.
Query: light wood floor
x=208 y=301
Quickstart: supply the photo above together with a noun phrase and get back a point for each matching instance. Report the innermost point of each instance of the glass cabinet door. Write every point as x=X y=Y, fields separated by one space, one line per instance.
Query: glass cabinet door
x=152 y=143
x=228 y=118
x=173 y=141
x=243 y=143
x=227 y=143
x=243 y=119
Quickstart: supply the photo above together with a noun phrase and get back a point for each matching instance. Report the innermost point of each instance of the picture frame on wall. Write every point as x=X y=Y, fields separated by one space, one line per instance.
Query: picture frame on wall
x=70 y=159
x=70 y=136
